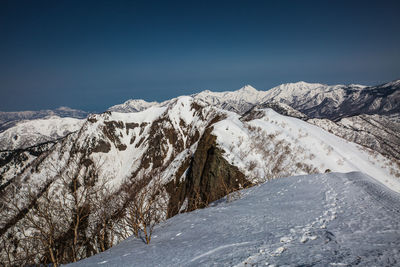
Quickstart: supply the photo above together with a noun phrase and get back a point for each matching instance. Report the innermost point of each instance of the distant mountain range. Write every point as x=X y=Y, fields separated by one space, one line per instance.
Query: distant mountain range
x=313 y=99
x=181 y=155
x=28 y=133
x=10 y=119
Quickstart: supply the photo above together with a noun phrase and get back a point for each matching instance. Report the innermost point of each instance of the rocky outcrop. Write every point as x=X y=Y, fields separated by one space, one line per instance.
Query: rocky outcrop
x=208 y=177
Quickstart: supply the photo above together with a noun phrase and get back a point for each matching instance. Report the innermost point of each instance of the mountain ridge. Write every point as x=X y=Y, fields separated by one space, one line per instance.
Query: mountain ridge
x=191 y=150
x=9 y=119
x=314 y=99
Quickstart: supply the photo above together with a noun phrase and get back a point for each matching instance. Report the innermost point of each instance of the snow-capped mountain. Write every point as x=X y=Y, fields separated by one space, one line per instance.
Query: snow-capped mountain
x=338 y=101
x=237 y=101
x=133 y=105
x=316 y=220
x=240 y=100
x=10 y=119
x=181 y=154
x=197 y=152
x=313 y=99
x=32 y=132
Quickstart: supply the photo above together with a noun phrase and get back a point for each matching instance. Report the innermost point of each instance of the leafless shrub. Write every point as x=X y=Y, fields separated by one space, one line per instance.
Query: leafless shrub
x=252 y=165
x=240 y=141
x=51 y=223
x=230 y=192
x=146 y=207
x=242 y=155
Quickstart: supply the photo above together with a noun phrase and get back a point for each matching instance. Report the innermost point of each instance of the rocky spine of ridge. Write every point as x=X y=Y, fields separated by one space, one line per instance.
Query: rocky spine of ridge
x=208 y=177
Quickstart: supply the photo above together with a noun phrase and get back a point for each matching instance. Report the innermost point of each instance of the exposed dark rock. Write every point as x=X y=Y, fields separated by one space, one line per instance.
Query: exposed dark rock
x=86 y=162
x=209 y=177
x=92 y=119
x=110 y=131
x=130 y=125
x=102 y=146
x=121 y=147
x=161 y=133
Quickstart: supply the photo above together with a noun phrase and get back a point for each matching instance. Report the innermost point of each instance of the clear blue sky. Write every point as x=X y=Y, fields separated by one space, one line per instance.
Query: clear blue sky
x=94 y=54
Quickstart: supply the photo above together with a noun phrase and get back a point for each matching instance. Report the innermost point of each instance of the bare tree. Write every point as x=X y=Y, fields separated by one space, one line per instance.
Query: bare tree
x=147 y=207
x=80 y=189
x=40 y=228
x=51 y=223
x=105 y=220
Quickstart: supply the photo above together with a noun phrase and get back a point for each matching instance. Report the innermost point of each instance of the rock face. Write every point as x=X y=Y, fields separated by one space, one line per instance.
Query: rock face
x=208 y=178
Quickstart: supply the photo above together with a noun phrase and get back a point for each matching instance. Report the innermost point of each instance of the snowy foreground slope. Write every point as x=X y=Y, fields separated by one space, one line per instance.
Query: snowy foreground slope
x=330 y=219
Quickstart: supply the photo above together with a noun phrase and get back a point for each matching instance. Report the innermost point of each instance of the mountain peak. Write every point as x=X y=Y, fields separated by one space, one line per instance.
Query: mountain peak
x=133 y=105
x=302 y=84
x=248 y=88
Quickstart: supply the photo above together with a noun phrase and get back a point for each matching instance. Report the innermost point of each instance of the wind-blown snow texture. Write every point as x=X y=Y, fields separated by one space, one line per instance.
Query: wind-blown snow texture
x=330 y=219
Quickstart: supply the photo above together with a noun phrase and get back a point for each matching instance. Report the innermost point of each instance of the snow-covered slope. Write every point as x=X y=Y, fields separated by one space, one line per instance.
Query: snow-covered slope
x=120 y=141
x=238 y=101
x=337 y=101
x=299 y=91
x=265 y=146
x=133 y=105
x=29 y=133
x=316 y=220
x=10 y=119
x=378 y=132
x=271 y=145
